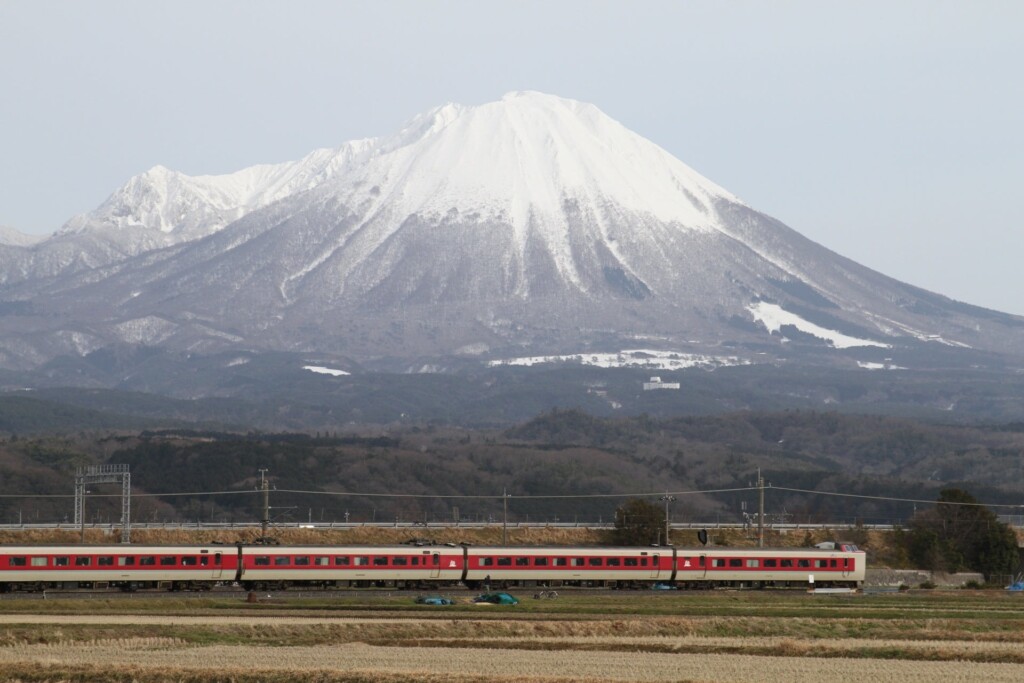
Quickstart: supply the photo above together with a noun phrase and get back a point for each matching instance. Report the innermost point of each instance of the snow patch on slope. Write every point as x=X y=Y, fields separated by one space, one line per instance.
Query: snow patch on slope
x=321 y=370
x=867 y=365
x=892 y=327
x=774 y=317
x=635 y=358
x=148 y=330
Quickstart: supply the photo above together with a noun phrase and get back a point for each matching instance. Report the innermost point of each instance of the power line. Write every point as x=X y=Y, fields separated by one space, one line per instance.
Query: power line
x=365 y=494
x=134 y=495
x=568 y=496
x=641 y=494
x=898 y=500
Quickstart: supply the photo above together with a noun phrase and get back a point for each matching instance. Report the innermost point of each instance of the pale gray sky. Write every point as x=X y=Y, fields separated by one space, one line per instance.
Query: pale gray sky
x=891 y=132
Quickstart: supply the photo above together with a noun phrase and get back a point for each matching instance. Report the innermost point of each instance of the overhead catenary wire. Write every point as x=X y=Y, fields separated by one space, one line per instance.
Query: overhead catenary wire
x=567 y=496
x=899 y=500
x=498 y=496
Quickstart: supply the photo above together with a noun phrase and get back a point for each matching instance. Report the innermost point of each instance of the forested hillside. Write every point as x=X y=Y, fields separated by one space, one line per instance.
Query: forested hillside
x=563 y=465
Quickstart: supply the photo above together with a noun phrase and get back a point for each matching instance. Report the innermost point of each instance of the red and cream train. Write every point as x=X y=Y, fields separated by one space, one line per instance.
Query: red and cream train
x=270 y=566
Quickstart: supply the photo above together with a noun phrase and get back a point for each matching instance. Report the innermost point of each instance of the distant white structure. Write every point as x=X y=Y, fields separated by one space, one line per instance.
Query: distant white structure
x=656 y=383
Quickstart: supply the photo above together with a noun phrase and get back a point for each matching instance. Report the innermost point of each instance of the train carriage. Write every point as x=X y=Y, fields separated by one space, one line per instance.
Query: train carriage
x=561 y=565
x=344 y=566
x=124 y=566
x=685 y=567
x=771 y=566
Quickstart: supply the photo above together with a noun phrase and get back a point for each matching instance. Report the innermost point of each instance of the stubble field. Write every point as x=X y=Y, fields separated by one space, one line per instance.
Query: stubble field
x=580 y=636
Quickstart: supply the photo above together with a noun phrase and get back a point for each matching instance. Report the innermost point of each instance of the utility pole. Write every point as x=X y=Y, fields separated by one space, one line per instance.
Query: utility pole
x=760 y=509
x=504 y=517
x=265 y=520
x=668 y=499
x=81 y=511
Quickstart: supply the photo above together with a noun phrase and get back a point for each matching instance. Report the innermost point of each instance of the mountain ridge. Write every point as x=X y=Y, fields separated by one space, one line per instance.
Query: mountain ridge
x=530 y=226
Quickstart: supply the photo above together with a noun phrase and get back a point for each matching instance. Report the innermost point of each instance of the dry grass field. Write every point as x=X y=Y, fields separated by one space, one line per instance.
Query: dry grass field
x=581 y=636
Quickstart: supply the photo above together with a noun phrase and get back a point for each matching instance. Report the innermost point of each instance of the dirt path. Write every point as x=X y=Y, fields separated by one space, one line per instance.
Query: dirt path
x=176 y=620
x=497 y=665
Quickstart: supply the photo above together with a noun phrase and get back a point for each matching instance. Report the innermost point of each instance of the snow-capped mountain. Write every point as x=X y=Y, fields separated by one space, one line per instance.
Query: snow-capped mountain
x=12 y=237
x=534 y=226
x=164 y=207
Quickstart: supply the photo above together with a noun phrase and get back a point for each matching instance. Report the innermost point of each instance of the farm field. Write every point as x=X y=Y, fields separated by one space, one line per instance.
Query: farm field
x=580 y=636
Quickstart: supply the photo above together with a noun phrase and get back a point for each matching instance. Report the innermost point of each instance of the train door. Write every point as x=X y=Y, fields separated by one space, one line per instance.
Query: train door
x=435 y=565
x=655 y=566
x=218 y=565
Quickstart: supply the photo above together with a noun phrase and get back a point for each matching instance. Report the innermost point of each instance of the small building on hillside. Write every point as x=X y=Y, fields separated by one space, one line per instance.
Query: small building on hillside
x=656 y=383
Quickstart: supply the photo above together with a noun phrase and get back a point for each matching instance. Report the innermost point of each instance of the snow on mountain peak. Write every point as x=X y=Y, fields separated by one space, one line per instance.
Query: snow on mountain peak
x=520 y=160
x=13 y=237
x=168 y=206
x=526 y=155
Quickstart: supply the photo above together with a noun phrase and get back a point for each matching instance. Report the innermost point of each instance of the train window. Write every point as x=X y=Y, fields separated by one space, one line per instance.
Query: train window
x=17 y=561
x=437 y=560
x=204 y=560
x=717 y=562
x=486 y=561
x=752 y=563
x=400 y=561
x=166 y=561
x=79 y=561
x=576 y=561
x=62 y=561
x=40 y=561
x=643 y=561
x=361 y=561
x=282 y=560
x=189 y=561
x=380 y=560
x=322 y=561
x=105 y=560
x=821 y=564
x=261 y=561
x=147 y=560
x=771 y=562
x=735 y=562
x=558 y=561
x=126 y=561
x=540 y=562
x=301 y=560
x=522 y=562
x=341 y=561
x=803 y=563
x=631 y=562
x=504 y=561
x=785 y=563
x=613 y=562
x=833 y=563
x=415 y=561
x=595 y=562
